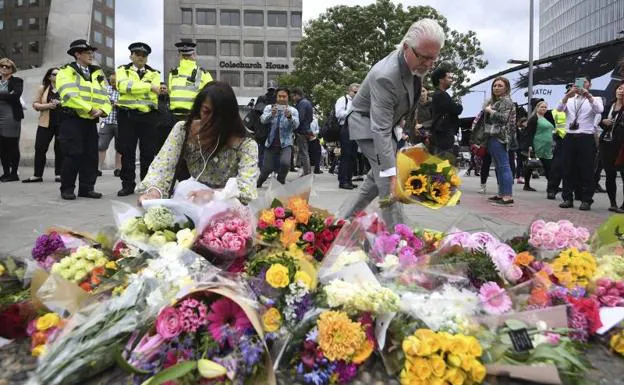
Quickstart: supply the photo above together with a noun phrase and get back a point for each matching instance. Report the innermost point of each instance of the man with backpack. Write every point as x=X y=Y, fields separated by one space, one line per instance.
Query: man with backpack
x=253 y=123
x=348 y=148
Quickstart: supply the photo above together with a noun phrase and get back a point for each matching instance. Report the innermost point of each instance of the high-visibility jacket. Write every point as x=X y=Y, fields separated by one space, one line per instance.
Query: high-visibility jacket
x=81 y=93
x=560 y=122
x=135 y=93
x=185 y=82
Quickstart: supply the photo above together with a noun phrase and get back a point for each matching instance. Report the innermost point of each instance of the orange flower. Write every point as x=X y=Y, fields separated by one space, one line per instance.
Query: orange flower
x=289 y=234
x=86 y=286
x=538 y=297
x=300 y=209
x=268 y=217
x=542 y=279
x=523 y=259
x=39 y=338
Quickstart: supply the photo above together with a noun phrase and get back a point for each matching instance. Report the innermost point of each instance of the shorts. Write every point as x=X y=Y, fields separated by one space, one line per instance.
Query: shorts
x=106 y=133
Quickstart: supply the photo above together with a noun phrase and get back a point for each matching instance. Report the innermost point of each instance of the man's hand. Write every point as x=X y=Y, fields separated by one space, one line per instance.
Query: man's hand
x=571 y=93
x=288 y=114
x=156 y=89
x=96 y=112
x=273 y=110
x=393 y=187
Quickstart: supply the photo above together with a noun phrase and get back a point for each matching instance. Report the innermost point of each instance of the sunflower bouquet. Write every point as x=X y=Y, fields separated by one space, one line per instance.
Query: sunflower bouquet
x=425 y=179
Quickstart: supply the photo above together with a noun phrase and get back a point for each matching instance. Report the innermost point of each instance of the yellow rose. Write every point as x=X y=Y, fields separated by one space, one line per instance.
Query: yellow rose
x=47 y=321
x=455 y=181
x=466 y=362
x=422 y=368
x=38 y=350
x=111 y=265
x=408 y=378
x=272 y=320
x=437 y=381
x=617 y=343
x=474 y=347
x=454 y=360
x=438 y=366
x=304 y=278
x=457 y=346
x=478 y=371
x=277 y=276
x=412 y=346
x=455 y=376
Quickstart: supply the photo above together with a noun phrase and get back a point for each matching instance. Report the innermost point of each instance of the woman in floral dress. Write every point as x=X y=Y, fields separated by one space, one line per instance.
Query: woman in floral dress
x=213 y=145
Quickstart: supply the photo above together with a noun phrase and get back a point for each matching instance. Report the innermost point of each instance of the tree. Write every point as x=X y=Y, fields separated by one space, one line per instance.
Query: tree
x=341 y=45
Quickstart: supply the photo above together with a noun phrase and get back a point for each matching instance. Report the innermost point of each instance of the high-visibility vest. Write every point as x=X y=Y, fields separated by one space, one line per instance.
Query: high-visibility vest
x=83 y=94
x=136 y=93
x=185 y=82
x=560 y=122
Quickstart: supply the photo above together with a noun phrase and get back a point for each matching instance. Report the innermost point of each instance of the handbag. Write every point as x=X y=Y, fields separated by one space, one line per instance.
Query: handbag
x=532 y=163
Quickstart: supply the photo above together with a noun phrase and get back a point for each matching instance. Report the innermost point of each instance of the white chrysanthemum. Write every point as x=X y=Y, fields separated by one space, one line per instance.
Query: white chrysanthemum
x=347 y=258
x=390 y=262
x=185 y=238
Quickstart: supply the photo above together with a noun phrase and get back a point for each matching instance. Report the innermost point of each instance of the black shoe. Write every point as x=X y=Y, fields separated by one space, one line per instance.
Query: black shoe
x=550 y=196
x=117 y=172
x=99 y=173
x=57 y=179
x=528 y=188
x=616 y=209
x=90 y=194
x=346 y=186
x=353 y=185
x=566 y=204
x=504 y=203
x=318 y=171
x=599 y=189
x=124 y=192
x=358 y=179
x=495 y=198
x=33 y=179
x=10 y=178
x=69 y=196
x=585 y=206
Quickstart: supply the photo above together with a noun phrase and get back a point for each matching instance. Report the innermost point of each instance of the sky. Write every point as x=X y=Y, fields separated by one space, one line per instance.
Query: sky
x=502 y=27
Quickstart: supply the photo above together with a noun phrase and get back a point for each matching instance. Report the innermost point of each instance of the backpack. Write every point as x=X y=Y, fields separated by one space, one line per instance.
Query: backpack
x=253 y=124
x=330 y=131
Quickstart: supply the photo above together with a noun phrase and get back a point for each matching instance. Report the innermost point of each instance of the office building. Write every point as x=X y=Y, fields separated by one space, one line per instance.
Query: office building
x=24 y=29
x=567 y=25
x=243 y=42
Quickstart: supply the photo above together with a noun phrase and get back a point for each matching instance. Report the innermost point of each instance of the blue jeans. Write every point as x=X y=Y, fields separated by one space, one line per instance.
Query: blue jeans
x=500 y=156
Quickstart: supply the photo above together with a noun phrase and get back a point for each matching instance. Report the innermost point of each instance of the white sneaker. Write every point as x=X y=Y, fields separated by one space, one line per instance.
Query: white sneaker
x=483 y=189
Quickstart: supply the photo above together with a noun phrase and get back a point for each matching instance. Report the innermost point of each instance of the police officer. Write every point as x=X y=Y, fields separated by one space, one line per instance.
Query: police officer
x=138 y=85
x=186 y=81
x=82 y=88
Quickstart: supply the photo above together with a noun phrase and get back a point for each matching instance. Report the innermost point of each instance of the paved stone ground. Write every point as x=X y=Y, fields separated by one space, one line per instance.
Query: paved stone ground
x=26 y=210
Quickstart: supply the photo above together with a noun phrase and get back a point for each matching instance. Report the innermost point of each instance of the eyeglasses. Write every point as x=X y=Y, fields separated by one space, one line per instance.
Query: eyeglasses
x=5 y=66
x=432 y=59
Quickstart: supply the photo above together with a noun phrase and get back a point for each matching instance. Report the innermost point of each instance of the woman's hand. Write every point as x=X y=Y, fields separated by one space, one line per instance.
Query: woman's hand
x=201 y=196
x=150 y=194
x=488 y=109
x=607 y=122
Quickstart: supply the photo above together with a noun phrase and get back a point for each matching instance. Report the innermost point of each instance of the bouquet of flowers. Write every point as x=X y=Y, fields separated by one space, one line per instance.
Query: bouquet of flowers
x=12 y=273
x=208 y=335
x=617 y=342
x=403 y=249
x=43 y=330
x=331 y=348
x=77 y=266
x=157 y=226
x=609 y=293
x=554 y=236
x=15 y=318
x=426 y=179
x=574 y=268
x=355 y=298
x=46 y=246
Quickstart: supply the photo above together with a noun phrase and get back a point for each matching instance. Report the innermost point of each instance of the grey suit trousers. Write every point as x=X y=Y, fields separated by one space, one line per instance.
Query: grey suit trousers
x=374 y=186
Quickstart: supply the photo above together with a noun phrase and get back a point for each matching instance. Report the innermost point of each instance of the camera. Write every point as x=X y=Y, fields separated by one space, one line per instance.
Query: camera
x=574 y=126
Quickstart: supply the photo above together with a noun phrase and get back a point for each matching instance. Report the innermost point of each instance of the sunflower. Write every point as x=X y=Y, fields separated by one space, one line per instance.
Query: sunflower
x=440 y=192
x=416 y=185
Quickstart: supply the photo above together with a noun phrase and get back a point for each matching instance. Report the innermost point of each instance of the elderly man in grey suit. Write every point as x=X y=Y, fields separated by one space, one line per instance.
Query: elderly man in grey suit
x=389 y=93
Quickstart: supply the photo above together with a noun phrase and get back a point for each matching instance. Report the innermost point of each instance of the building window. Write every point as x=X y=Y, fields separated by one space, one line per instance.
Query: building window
x=295 y=19
x=230 y=17
x=109 y=42
x=205 y=17
x=231 y=77
x=98 y=57
x=97 y=37
x=33 y=3
x=276 y=19
x=229 y=48
x=19 y=23
x=187 y=16
x=17 y=47
x=1 y=25
x=253 y=79
x=254 y=49
x=254 y=18
x=110 y=4
x=33 y=46
x=97 y=15
x=18 y=4
x=110 y=62
x=186 y=40
x=207 y=47
x=274 y=76
x=277 y=49
x=294 y=45
x=33 y=23
x=110 y=22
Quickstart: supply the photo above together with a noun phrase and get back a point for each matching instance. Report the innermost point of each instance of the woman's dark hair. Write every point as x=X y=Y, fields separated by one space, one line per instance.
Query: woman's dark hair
x=225 y=121
x=46 y=78
x=620 y=84
x=283 y=89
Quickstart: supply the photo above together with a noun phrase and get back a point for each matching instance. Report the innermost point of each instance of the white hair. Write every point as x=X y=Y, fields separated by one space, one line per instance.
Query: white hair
x=423 y=30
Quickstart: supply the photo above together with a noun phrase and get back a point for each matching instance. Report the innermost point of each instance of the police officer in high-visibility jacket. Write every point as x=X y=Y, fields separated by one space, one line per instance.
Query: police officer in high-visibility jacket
x=82 y=88
x=137 y=114
x=186 y=81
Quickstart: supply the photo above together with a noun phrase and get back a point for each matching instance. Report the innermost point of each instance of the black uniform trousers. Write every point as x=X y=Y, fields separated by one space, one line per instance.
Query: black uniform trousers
x=136 y=127
x=79 y=144
x=579 y=151
x=348 y=156
x=314 y=151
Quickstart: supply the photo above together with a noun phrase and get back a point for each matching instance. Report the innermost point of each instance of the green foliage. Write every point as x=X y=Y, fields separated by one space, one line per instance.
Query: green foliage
x=481 y=269
x=342 y=44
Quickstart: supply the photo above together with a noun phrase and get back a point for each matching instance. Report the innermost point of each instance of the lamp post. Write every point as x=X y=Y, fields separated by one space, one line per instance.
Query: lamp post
x=530 y=85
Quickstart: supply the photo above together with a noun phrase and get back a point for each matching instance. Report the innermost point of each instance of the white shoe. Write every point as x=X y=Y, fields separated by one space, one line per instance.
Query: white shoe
x=483 y=189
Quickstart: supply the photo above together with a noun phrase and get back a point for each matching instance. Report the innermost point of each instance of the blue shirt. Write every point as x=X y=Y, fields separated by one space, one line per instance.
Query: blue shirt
x=280 y=124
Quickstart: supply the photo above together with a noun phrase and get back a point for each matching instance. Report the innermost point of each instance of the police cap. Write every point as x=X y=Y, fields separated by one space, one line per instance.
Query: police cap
x=80 y=45
x=186 y=47
x=140 y=47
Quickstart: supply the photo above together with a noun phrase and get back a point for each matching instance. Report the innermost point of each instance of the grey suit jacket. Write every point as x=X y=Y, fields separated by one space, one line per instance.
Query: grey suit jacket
x=384 y=98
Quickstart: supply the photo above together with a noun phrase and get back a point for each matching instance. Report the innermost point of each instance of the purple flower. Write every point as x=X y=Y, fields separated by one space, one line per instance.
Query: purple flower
x=403 y=230
x=386 y=243
x=46 y=245
x=416 y=243
x=407 y=256
x=346 y=372
x=193 y=315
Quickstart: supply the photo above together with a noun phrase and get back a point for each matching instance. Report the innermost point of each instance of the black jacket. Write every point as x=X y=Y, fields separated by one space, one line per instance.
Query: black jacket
x=618 y=130
x=532 y=126
x=445 y=119
x=16 y=86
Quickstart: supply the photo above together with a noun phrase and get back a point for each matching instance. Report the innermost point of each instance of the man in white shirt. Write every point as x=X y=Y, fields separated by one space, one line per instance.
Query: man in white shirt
x=578 y=146
x=348 y=148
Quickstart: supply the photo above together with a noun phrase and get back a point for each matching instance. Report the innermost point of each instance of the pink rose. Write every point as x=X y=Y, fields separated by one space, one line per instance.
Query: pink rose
x=561 y=240
x=461 y=239
x=214 y=243
x=329 y=221
x=483 y=239
x=262 y=225
x=568 y=229
x=234 y=243
x=279 y=212
x=244 y=231
x=537 y=226
x=535 y=241
x=564 y=222
x=308 y=237
x=169 y=323
x=552 y=227
x=548 y=238
x=575 y=243
x=232 y=225
x=218 y=229
x=553 y=338
x=279 y=223
x=513 y=273
x=611 y=300
x=583 y=234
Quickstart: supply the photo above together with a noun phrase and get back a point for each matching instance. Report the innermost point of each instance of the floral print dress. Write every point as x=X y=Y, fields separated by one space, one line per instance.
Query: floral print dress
x=239 y=162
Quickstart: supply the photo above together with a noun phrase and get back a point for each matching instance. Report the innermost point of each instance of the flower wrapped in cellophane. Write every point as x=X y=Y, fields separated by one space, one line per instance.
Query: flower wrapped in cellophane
x=426 y=179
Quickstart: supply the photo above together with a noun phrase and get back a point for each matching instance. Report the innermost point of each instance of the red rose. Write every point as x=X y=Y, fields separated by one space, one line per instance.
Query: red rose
x=13 y=323
x=327 y=235
x=309 y=250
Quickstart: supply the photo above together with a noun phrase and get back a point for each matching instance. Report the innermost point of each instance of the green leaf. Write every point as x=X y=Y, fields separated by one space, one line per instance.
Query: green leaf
x=515 y=324
x=172 y=373
x=124 y=364
x=276 y=203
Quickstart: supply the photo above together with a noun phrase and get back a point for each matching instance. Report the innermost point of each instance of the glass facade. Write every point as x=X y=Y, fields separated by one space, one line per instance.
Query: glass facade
x=567 y=25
